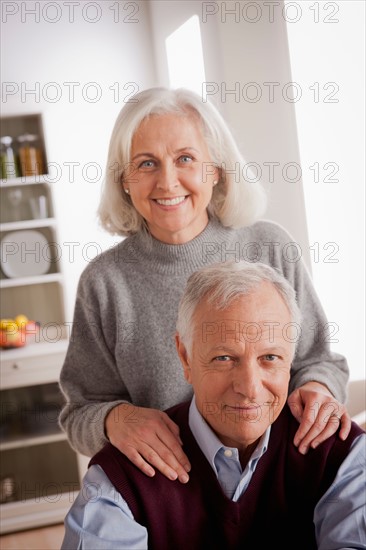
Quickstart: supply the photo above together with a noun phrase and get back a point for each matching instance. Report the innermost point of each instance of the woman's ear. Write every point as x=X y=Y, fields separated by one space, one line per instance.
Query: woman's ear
x=183 y=356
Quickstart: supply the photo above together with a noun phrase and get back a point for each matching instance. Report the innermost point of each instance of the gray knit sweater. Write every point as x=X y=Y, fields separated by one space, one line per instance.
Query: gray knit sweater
x=122 y=343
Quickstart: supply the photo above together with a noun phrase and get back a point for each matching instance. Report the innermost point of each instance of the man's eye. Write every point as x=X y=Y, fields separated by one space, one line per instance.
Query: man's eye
x=223 y=358
x=270 y=357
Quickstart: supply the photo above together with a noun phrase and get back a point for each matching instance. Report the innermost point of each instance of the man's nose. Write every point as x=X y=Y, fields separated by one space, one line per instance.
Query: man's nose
x=247 y=379
x=167 y=177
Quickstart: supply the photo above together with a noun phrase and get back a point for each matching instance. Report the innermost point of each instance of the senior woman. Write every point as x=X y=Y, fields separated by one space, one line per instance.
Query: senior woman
x=174 y=187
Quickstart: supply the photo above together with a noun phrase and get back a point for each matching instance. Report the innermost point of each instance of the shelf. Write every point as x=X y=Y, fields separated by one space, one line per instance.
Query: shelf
x=19 y=441
x=41 y=470
x=25 y=180
x=28 y=224
x=34 y=350
x=35 y=280
x=34 y=364
x=44 y=482
x=26 y=514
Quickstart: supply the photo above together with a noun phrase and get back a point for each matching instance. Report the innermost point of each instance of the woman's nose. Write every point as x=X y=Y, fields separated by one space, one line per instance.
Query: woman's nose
x=167 y=177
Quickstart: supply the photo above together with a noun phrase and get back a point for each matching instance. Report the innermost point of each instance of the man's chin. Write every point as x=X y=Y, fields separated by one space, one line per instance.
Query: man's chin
x=242 y=435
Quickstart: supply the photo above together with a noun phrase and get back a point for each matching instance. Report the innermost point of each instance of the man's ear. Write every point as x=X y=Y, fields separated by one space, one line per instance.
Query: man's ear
x=183 y=356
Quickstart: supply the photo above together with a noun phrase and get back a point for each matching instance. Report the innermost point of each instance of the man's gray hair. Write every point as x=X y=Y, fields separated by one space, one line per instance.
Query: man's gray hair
x=221 y=284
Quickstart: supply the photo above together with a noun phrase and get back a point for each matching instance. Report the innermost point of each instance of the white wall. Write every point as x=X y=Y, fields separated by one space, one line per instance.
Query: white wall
x=327 y=47
x=112 y=51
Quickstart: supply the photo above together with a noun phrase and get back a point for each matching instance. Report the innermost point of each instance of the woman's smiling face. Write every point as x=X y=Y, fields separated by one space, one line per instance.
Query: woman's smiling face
x=171 y=184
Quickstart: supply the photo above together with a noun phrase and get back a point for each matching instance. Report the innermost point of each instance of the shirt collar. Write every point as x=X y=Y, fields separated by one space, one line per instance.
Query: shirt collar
x=210 y=444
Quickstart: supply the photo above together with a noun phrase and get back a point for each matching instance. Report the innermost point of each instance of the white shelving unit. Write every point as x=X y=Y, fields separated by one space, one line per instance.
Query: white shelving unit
x=40 y=473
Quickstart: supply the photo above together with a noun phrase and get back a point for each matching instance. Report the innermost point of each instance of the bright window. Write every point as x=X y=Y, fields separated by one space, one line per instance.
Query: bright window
x=185 y=56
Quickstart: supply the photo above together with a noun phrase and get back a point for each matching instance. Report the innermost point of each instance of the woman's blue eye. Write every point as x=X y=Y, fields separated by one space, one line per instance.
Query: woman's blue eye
x=147 y=164
x=185 y=158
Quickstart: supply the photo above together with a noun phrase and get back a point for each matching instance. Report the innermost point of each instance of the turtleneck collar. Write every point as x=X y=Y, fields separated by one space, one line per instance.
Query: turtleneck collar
x=176 y=259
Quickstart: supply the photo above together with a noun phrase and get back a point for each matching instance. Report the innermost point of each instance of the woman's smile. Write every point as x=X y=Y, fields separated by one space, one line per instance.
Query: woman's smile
x=171 y=202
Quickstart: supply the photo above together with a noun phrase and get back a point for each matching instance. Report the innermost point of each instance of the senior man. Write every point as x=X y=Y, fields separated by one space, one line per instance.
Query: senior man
x=249 y=487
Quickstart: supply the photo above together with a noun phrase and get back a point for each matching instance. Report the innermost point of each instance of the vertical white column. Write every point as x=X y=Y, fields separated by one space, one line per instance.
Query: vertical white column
x=326 y=44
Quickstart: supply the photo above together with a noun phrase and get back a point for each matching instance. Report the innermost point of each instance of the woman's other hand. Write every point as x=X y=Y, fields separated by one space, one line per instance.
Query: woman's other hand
x=319 y=415
x=149 y=438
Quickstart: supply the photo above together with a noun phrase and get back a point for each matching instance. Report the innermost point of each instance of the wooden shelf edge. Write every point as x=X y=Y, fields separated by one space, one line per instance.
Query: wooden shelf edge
x=34 y=280
x=20 y=515
x=27 y=224
x=35 y=350
x=32 y=441
x=28 y=180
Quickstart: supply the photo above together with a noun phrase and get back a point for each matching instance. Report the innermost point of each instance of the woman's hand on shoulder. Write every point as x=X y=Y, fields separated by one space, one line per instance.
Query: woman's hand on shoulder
x=149 y=439
x=319 y=414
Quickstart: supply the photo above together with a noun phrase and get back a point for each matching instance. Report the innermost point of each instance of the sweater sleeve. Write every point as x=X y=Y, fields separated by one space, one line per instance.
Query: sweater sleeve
x=89 y=379
x=314 y=359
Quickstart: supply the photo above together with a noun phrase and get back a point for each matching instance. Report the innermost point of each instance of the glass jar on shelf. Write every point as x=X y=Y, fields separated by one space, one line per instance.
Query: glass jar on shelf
x=9 y=161
x=30 y=155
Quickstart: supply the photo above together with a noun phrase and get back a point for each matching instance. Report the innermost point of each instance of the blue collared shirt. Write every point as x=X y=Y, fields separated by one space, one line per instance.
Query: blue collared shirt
x=100 y=518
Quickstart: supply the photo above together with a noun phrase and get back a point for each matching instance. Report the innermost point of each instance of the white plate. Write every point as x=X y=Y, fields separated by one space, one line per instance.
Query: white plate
x=24 y=254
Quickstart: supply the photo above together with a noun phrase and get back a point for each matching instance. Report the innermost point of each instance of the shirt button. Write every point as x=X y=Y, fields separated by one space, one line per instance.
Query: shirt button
x=228 y=453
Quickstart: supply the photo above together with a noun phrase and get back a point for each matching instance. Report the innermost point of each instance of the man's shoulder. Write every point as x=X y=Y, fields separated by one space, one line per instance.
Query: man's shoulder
x=178 y=409
x=109 y=456
x=333 y=445
x=179 y=413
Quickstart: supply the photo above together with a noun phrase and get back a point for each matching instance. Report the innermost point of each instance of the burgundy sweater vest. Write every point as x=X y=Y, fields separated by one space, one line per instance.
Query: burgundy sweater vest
x=276 y=509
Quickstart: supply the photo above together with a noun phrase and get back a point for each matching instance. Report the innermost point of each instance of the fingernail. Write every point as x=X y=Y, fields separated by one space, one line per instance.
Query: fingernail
x=187 y=467
x=173 y=476
x=184 y=478
x=303 y=450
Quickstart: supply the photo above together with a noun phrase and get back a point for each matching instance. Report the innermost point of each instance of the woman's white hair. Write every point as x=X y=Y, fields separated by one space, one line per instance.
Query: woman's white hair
x=221 y=284
x=235 y=201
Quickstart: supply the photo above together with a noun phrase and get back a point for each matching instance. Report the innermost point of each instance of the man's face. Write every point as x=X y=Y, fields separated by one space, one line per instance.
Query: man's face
x=239 y=365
